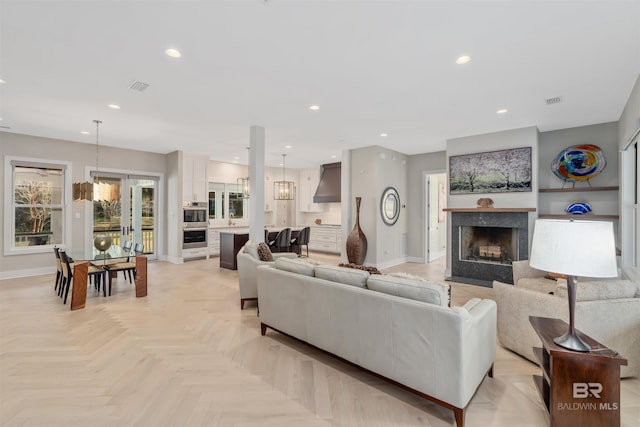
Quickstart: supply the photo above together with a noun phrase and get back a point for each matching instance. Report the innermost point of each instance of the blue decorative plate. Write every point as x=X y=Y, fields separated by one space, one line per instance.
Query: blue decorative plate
x=579 y=208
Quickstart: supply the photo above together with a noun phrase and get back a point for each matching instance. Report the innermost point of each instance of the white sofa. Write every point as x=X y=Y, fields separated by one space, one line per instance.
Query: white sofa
x=248 y=261
x=606 y=310
x=442 y=353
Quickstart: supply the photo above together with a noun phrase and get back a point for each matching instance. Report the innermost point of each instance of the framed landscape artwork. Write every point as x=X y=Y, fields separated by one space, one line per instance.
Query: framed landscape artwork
x=503 y=171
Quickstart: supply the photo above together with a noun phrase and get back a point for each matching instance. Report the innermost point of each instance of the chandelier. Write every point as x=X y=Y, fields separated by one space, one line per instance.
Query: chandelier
x=283 y=190
x=96 y=191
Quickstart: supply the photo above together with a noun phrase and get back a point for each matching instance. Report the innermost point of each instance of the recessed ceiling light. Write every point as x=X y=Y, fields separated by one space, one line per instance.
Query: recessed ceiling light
x=174 y=53
x=2 y=81
x=114 y=106
x=287 y=146
x=383 y=134
x=84 y=132
x=502 y=111
x=463 y=59
x=236 y=157
x=333 y=156
x=314 y=107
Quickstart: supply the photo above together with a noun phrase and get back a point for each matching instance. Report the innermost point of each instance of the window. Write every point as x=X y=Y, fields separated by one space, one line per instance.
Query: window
x=225 y=201
x=36 y=214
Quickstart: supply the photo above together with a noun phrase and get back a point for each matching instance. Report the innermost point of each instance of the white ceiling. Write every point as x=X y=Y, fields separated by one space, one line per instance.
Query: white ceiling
x=371 y=66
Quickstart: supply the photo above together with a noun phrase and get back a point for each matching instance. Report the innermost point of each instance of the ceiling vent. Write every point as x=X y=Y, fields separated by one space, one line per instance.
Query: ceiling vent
x=554 y=100
x=139 y=86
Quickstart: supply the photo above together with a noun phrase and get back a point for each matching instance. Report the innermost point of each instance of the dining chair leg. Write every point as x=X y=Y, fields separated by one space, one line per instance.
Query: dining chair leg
x=58 y=275
x=66 y=292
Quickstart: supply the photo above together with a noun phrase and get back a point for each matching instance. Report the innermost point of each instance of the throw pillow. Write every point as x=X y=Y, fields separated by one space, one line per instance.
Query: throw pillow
x=264 y=253
x=371 y=270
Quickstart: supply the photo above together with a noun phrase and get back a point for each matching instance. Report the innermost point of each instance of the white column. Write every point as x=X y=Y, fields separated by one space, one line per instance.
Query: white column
x=256 y=184
x=345 y=197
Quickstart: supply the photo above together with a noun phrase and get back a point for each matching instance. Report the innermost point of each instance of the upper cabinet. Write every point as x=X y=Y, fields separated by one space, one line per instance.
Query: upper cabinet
x=309 y=179
x=194 y=178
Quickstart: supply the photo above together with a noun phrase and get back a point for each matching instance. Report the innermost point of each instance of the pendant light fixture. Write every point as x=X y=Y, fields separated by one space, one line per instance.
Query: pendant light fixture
x=283 y=190
x=96 y=191
x=243 y=184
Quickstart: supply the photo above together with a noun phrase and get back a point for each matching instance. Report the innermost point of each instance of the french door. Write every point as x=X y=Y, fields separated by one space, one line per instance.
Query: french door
x=131 y=213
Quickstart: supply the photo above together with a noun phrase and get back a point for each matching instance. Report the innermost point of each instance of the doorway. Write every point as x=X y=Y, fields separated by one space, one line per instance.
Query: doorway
x=435 y=217
x=133 y=215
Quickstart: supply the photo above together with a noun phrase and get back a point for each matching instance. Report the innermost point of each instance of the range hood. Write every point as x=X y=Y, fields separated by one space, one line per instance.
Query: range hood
x=329 y=187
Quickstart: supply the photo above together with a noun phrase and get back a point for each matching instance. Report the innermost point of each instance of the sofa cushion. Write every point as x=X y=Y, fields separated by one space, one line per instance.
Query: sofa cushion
x=599 y=290
x=251 y=248
x=294 y=265
x=540 y=284
x=412 y=287
x=264 y=253
x=347 y=276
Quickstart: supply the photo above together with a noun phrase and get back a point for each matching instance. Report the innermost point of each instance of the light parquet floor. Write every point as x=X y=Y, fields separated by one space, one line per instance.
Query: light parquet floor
x=186 y=355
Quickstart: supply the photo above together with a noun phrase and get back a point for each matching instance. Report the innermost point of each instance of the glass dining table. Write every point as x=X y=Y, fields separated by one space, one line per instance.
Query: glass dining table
x=95 y=262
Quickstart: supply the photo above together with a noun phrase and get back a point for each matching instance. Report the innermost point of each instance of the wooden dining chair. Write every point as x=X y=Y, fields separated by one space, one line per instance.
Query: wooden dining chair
x=127 y=267
x=67 y=276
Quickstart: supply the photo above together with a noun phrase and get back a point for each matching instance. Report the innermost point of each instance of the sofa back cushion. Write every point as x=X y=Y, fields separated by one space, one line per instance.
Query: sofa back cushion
x=294 y=265
x=599 y=290
x=412 y=287
x=251 y=248
x=347 y=276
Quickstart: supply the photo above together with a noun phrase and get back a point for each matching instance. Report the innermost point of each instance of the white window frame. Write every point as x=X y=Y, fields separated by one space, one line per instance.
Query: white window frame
x=9 y=206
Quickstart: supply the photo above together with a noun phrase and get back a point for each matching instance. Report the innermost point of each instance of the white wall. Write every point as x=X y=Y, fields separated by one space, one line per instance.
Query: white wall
x=82 y=156
x=418 y=165
x=373 y=169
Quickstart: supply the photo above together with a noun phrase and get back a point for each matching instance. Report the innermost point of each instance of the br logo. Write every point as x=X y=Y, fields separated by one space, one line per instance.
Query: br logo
x=585 y=390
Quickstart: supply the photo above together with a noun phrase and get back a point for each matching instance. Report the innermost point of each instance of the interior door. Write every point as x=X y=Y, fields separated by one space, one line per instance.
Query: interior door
x=436 y=224
x=132 y=215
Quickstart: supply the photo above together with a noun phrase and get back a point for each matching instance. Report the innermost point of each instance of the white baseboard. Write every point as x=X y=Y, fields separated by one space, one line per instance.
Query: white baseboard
x=415 y=259
x=14 y=274
x=391 y=263
x=173 y=260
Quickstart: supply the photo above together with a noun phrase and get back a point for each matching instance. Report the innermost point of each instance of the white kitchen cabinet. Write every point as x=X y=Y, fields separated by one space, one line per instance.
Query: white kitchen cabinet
x=214 y=242
x=194 y=179
x=325 y=238
x=309 y=179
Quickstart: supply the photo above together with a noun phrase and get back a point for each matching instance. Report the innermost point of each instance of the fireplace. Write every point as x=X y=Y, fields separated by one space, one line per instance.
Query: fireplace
x=489 y=244
x=484 y=243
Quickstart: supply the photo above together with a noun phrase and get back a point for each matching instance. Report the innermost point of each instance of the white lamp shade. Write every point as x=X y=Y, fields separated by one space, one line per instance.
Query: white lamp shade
x=576 y=248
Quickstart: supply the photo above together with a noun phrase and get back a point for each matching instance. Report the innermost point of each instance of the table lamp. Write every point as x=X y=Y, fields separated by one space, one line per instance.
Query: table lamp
x=574 y=248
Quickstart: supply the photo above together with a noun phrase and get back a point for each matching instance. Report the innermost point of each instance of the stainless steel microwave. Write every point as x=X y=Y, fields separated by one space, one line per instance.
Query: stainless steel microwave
x=194 y=215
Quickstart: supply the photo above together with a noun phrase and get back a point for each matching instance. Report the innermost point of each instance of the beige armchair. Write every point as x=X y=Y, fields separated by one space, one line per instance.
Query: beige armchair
x=248 y=262
x=606 y=310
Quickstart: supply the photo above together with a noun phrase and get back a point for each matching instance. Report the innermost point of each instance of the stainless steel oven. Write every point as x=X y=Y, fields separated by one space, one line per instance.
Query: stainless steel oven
x=194 y=238
x=194 y=215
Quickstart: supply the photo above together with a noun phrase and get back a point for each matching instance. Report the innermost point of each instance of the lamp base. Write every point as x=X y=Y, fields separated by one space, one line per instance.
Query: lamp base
x=573 y=342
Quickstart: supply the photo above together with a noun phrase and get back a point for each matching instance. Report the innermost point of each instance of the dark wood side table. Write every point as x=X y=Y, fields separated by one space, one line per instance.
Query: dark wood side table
x=578 y=389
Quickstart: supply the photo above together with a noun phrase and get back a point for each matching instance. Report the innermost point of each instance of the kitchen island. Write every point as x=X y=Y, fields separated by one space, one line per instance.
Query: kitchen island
x=231 y=240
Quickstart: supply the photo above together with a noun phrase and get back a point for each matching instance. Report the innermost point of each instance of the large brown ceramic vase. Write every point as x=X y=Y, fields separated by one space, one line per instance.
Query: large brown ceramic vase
x=357 y=241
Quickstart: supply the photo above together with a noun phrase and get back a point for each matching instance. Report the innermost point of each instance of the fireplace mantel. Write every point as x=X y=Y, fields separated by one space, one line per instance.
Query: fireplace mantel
x=489 y=209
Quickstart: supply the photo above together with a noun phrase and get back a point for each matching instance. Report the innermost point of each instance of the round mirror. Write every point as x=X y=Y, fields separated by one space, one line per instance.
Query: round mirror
x=390 y=206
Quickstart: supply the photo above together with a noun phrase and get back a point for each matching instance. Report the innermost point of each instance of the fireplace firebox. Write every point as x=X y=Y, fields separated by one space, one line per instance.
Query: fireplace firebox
x=489 y=244
x=484 y=243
